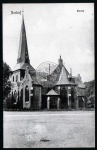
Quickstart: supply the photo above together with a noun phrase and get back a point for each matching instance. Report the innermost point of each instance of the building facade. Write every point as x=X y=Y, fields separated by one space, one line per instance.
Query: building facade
x=67 y=92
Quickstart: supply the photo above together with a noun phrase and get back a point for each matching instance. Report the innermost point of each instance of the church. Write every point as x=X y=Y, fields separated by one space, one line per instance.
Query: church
x=66 y=92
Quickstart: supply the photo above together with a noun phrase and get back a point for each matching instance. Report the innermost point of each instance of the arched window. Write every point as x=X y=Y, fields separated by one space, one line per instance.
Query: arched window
x=16 y=78
x=12 y=94
x=22 y=92
x=13 y=78
x=69 y=90
x=21 y=99
x=64 y=92
x=26 y=93
x=15 y=95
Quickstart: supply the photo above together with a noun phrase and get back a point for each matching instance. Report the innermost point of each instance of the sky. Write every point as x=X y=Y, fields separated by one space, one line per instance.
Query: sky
x=52 y=30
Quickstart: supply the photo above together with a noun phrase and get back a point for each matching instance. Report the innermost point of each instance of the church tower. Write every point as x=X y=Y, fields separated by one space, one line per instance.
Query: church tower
x=23 y=57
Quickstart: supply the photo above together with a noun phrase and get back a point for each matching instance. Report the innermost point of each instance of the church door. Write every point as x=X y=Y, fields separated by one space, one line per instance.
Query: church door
x=53 y=102
x=44 y=102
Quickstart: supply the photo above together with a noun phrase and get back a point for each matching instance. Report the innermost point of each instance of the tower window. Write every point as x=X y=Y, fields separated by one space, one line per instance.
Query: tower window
x=13 y=78
x=16 y=78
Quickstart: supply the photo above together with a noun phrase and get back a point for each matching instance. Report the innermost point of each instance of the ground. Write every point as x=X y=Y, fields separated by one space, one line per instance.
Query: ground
x=48 y=129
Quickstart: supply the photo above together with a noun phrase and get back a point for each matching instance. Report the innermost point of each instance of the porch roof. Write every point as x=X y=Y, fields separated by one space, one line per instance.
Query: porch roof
x=52 y=92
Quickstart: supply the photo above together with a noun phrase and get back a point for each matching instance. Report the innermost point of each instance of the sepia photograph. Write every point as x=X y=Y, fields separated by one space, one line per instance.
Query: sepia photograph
x=48 y=75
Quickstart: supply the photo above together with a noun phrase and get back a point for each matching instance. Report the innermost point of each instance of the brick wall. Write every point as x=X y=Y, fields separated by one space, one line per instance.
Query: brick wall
x=36 y=104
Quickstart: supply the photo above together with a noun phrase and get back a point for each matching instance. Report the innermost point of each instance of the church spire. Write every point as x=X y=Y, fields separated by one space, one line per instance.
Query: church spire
x=60 y=62
x=23 y=55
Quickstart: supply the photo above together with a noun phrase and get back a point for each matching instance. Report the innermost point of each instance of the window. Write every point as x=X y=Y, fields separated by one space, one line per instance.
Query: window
x=13 y=78
x=21 y=99
x=69 y=90
x=16 y=78
x=63 y=92
x=72 y=94
x=26 y=93
x=12 y=94
x=15 y=94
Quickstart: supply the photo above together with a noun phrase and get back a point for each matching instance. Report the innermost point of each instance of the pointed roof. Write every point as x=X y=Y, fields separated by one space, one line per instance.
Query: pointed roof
x=63 y=78
x=23 y=55
x=52 y=92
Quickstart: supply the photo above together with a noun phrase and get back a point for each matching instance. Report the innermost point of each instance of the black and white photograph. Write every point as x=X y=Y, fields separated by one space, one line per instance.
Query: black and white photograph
x=48 y=75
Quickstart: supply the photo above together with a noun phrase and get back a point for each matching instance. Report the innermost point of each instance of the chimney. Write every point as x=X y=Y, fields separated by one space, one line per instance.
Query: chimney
x=71 y=72
x=70 y=75
x=79 y=76
x=60 y=62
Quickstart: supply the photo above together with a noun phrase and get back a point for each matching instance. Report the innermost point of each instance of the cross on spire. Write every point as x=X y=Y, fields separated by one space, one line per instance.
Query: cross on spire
x=22 y=10
x=22 y=14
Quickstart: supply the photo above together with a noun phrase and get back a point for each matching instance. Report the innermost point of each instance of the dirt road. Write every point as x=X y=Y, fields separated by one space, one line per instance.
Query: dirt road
x=49 y=129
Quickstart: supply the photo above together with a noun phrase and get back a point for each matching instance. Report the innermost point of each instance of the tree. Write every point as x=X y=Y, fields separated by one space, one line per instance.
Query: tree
x=90 y=93
x=6 y=81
